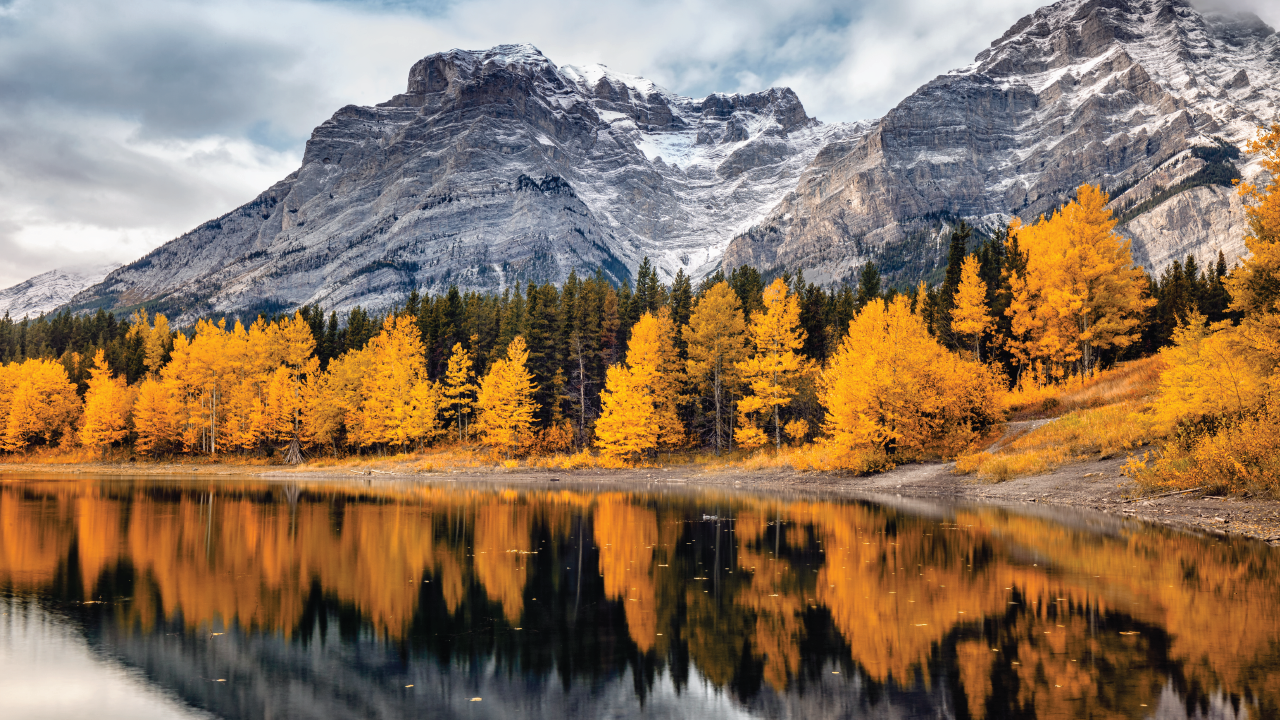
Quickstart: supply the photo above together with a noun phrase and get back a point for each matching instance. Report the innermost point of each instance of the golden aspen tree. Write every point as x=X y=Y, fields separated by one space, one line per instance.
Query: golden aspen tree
x=1082 y=289
x=107 y=404
x=1211 y=371
x=459 y=389
x=970 y=317
x=331 y=398
x=775 y=335
x=243 y=356
x=399 y=405
x=506 y=400
x=42 y=404
x=292 y=350
x=628 y=426
x=1255 y=285
x=716 y=337
x=158 y=417
x=197 y=375
x=156 y=338
x=891 y=387
x=655 y=363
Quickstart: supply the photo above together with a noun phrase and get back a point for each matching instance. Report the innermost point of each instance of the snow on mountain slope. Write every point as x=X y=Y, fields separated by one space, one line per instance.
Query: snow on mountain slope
x=1100 y=91
x=45 y=292
x=493 y=168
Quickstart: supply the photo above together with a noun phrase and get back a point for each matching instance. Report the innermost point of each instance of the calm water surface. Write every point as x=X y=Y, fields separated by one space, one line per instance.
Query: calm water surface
x=240 y=598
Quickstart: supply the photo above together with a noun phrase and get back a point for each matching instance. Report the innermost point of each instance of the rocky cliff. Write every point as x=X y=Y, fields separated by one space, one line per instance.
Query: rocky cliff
x=1115 y=92
x=493 y=168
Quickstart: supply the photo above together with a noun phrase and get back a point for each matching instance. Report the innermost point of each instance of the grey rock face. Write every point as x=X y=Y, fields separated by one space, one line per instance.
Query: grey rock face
x=1098 y=91
x=1199 y=222
x=493 y=168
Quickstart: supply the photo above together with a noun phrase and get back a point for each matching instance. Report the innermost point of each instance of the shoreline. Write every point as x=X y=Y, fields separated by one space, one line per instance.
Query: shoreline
x=1095 y=485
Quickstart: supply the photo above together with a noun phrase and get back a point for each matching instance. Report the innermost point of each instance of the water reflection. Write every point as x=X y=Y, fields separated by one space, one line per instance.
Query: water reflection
x=251 y=599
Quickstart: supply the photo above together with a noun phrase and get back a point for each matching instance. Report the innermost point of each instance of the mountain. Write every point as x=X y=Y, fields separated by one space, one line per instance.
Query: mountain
x=496 y=167
x=1150 y=98
x=45 y=292
x=492 y=168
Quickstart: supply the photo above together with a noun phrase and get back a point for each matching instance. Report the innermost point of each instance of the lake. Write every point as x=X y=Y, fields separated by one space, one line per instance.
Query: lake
x=145 y=597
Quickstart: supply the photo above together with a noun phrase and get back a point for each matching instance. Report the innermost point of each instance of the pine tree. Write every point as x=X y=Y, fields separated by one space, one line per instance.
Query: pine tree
x=716 y=338
x=868 y=286
x=771 y=370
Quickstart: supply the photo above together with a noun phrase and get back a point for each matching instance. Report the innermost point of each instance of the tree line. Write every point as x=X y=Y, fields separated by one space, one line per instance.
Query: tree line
x=735 y=362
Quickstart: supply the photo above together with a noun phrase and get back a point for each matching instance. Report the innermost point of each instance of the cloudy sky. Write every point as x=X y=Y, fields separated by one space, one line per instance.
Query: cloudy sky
x=125 y=123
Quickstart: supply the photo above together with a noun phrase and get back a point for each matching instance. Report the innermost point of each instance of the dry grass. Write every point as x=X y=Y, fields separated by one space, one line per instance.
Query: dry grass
x=1241 y=457
x=118 y=456
x=1134 y=380
x=1080 y=435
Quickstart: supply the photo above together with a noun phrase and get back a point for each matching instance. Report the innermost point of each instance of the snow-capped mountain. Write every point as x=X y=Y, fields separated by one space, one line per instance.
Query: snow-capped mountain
x=497 y=167
x=492 y=168
x=1132 y=94
x=43 y=293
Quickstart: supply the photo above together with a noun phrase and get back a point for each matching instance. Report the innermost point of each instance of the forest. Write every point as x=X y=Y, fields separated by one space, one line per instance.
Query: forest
x=859 y=378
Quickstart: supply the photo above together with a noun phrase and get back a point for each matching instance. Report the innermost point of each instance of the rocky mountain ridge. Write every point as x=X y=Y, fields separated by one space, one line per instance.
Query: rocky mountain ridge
x=1115 y=92
x=493 y=168
x=499 y=167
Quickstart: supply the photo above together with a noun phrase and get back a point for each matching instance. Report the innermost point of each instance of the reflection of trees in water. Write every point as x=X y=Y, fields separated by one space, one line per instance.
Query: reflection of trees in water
x=1002 y=613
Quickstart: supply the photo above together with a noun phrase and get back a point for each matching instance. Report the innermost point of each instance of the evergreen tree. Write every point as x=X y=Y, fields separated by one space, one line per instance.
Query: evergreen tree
x=868 y=286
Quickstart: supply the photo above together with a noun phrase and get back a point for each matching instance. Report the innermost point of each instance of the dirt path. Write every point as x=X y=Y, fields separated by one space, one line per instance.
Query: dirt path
x=1096 y=485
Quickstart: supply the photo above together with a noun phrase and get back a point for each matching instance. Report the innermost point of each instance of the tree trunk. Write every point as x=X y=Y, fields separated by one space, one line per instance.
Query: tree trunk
x=293 y=456
x=719 y=422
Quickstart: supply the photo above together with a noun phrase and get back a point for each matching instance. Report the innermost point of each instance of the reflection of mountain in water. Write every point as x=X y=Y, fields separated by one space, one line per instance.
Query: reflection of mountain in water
x=271 y=677
x=585 y=604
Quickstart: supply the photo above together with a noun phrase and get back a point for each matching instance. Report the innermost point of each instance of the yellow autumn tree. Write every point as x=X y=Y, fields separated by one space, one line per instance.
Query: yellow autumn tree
x=1211 y=371
x=42 y=404
x=1082 y=292
x=628 y=427
x=1255 y=285
x=716 y=337
x=459 y=389
x=773 y=368
x=890 y=386
x=332 y=398
x=107 y=404
x=655 y=363
x=506 y=400
x=197 y=377
x=158 y=417
x=155 y=336
x=970 y=317
x=400 y=404
x=638 y=408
